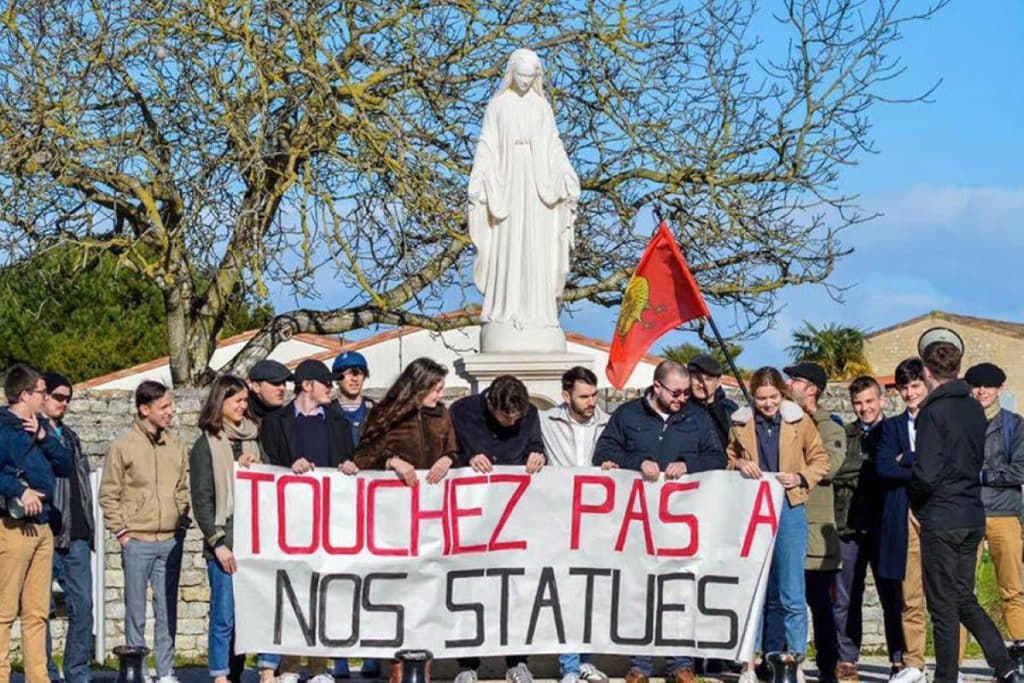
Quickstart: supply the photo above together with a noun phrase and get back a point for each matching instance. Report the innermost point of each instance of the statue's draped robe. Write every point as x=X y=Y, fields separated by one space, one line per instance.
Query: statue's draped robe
x=522 y=204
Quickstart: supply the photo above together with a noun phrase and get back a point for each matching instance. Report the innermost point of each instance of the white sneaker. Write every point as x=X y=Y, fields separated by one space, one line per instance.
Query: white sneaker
x=591 y=674
x=465 y=676
x=747 y=676
x=909 y=674
x=169 y=678
x=288 y=678
x=571 y=677
x=520 y=673
x=322 y=678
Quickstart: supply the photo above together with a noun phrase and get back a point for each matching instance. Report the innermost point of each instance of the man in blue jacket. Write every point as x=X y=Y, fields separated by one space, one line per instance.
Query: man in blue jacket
x=30 y=458
x=661 y=432
x=897 y=548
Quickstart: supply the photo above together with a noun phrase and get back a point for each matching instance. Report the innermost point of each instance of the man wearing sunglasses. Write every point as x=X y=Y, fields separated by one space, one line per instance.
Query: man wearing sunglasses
x=73 y=528
x=657 y=433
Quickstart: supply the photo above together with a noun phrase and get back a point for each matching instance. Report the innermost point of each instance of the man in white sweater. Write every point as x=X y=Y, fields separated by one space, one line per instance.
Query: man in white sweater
x=570 y=432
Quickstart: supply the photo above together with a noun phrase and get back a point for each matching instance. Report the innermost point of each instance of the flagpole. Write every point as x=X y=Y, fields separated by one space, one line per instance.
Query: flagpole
x=732 y=363
x=718 y=336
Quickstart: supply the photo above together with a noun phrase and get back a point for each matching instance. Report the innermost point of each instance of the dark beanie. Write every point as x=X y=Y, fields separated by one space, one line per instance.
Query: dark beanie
x=53 y=380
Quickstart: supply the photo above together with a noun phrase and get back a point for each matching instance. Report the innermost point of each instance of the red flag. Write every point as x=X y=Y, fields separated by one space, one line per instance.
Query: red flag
x=661 y=295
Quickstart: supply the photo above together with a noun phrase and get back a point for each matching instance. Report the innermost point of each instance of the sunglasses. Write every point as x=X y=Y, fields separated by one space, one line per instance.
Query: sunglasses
x=674 y=394
x=61 y=398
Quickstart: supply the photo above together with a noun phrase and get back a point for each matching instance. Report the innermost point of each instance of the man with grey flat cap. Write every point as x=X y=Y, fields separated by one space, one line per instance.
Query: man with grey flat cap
x=267 y=388
x=706 y=390
x=1001 y=478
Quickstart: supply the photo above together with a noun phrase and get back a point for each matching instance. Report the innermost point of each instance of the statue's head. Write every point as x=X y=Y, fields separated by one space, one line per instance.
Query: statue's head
x=524 y=72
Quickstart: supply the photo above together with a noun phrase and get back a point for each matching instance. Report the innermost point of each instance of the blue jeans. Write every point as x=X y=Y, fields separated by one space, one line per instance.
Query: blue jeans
x=370 y=668
x=221 y=660
x=73 y=571
x=570 y=663
x=645 y=664
x=785 y=607
x=268 y=660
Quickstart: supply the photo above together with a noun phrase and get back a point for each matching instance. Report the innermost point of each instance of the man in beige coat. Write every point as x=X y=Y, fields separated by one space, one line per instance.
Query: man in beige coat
x=145 y=499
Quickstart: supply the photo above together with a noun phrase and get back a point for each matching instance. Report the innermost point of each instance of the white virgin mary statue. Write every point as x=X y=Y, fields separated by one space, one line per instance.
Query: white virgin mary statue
x=522 y=204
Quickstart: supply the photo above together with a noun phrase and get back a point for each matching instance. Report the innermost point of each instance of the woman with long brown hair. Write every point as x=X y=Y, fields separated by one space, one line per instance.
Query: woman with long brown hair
x=410 y=428
x=227 y=436
x=777 y=436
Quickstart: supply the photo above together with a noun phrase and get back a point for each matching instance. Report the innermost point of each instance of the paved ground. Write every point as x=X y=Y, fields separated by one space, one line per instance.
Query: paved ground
x=545 y=668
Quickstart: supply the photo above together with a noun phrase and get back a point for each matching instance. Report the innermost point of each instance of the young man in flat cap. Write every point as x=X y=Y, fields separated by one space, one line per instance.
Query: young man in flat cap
x=308 y=433
x=266 y=388
x=706 y=390
x=1001 y=478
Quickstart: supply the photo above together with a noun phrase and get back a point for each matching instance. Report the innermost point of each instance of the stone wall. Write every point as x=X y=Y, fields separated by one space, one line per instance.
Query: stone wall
x=99 y=416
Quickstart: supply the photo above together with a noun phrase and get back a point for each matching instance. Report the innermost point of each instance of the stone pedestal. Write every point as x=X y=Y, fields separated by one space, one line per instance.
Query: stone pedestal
x=541 y=372
x=497 y=337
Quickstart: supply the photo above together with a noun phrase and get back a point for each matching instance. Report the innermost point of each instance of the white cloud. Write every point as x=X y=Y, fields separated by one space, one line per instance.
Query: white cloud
x=949 y=206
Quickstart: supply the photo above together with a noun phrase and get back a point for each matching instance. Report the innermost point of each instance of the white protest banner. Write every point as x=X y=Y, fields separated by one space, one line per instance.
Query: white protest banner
x=566 y=560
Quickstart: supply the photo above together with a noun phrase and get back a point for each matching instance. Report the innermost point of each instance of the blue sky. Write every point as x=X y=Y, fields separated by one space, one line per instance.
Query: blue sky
x=948 y=177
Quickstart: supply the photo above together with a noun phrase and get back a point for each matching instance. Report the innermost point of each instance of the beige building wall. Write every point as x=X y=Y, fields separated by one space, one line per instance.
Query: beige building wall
x=992 y=341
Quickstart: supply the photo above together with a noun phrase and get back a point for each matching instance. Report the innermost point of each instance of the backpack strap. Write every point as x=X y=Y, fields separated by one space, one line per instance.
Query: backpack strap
x=1007 y=423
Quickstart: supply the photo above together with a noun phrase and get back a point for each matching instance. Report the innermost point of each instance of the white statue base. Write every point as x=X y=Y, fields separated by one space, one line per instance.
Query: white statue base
x=540 y=372
x=501 y=337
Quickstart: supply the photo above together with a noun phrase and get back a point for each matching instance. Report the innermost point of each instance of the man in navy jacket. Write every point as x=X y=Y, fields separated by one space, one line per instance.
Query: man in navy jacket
x=31 y=456
x=898 y=533
x=661 y=432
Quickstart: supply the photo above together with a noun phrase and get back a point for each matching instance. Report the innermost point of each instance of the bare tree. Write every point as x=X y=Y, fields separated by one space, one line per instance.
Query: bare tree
x=221 y=147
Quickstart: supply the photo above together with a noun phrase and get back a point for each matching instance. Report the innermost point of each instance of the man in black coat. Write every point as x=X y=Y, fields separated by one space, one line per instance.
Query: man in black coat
x=706 y=390
x=945 y=494
x=498 y=427
x=310 y=431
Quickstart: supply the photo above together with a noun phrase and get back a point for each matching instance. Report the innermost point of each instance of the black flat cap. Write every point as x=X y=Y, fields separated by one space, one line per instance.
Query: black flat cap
x=313 y=370
x=706 y=364
x=269 y=371
x=985 y=375
x=812 y=372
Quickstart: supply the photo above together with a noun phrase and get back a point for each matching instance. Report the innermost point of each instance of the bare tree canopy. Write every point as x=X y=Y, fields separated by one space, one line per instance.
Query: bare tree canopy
x=299 y=144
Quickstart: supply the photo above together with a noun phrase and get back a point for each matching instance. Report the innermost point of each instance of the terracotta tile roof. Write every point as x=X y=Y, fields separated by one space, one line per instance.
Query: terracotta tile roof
x=330 y=343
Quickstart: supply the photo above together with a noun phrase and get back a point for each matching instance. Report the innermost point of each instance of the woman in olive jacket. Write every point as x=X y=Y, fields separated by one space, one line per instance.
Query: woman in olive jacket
x=228 y=436
x=777 y=436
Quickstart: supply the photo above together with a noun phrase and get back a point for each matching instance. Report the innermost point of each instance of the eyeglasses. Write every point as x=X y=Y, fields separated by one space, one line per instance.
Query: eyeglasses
x=61 y=398
x=676 y=393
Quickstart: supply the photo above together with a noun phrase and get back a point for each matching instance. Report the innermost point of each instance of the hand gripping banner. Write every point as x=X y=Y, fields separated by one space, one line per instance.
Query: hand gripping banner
x=566 y=560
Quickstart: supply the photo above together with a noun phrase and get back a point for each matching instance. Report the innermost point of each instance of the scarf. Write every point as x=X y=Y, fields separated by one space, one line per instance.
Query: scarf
x=992 y=411
x=223 y=462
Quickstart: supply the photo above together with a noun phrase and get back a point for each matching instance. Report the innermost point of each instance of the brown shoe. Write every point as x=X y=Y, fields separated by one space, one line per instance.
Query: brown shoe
x=684 y=675
x=636 y=677
x=846 y=672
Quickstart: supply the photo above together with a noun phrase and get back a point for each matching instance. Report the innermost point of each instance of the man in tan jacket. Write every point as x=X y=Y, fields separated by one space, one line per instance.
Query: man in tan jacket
x=145 y=500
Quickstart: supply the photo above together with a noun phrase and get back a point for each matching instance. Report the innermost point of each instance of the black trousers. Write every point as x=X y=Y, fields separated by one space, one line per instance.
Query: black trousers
x=818 y=587
x=512 y=661
x=948 y=559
